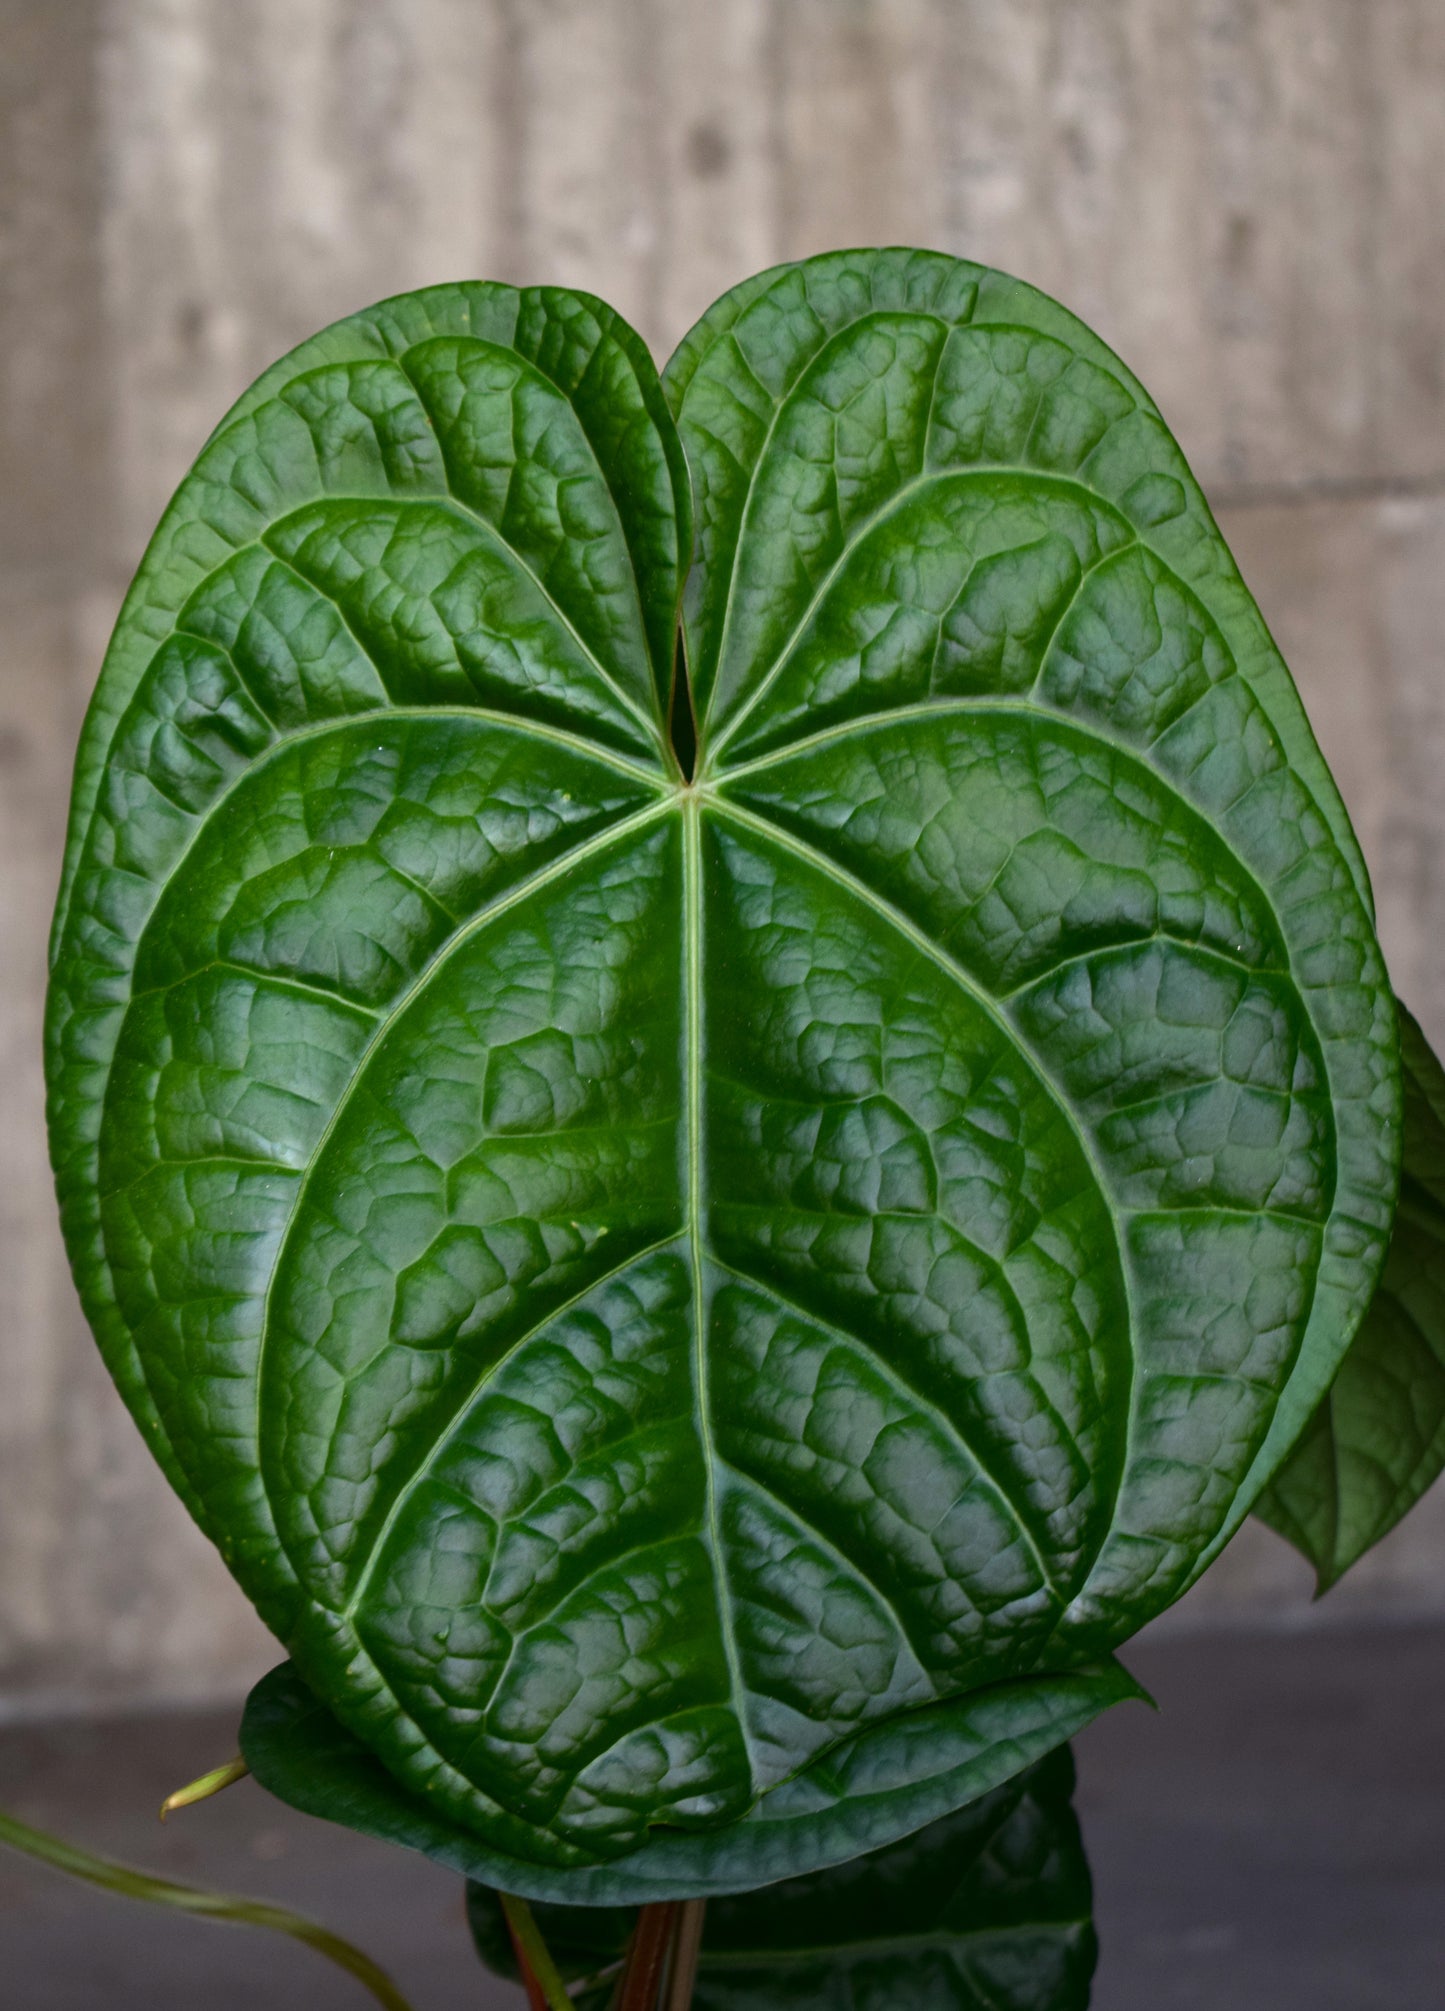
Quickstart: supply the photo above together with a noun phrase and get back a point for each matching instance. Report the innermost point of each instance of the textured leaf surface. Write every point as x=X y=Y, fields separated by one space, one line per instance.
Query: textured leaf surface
x=890 y=1782
x=1377 y=1440
x=646 y=1278
x=989 y=1910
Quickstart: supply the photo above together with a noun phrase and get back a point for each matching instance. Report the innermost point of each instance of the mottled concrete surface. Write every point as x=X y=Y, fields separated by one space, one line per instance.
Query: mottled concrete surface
x=1242 y=195
x=1272 y=1840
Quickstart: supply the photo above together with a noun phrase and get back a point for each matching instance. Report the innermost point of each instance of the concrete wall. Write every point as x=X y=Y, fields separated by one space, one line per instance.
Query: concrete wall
x=1243 y=196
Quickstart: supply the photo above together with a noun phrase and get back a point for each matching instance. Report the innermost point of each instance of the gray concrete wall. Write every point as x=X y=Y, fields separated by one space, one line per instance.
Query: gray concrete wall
x=1243 y=196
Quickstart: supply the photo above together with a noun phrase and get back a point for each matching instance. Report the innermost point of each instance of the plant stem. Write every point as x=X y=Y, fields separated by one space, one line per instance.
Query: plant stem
x=540 y=1975
x=647 y=1956
x=535 y=2000
x=130 y=1884
x=686 y=1949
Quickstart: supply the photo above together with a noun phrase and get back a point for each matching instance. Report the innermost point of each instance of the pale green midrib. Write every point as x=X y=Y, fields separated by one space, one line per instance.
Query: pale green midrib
x=696 y=1204
x=656 y=726
x=1040 y=478
x=780 y=405
x=591 y=750
x=523 y=891
x=421 y=1474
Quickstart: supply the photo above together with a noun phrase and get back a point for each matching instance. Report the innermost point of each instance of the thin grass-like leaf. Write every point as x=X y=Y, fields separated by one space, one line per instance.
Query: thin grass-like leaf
x=225 y=1908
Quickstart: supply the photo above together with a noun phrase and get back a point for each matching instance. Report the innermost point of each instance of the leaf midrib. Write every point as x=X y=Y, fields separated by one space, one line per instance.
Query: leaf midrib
x=689 y=802
x=695 y=1204
x=667 y=800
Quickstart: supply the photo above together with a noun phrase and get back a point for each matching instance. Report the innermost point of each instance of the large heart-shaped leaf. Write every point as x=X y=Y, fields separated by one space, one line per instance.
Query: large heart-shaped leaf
x=888 y=1782
x=1377 y=1441
x=648 y=1277
x=989 y=1910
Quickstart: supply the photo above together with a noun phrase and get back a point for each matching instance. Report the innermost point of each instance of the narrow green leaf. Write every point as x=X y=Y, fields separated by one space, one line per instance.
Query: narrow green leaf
x=127 y=1883
x=1377 y=1441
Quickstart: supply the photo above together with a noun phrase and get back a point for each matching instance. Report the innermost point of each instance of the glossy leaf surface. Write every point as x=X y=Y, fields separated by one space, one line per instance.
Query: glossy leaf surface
x=647 y=1279
x=1377 y=1440
x=889 y=1782
x=989 y=1910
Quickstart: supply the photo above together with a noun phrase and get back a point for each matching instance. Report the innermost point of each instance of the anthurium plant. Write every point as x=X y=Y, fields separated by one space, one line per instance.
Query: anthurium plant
x=720 y=1078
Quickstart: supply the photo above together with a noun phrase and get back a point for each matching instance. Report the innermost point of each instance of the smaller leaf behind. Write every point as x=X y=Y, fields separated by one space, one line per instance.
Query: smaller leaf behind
x=988 y=1910
x=886 y=1784
x=1377 y=1441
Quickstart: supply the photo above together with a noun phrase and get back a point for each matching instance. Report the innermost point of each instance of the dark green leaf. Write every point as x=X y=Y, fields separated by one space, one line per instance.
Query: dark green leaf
x=1377 y=1440
x=988 y=1910
x=885 y=1784
x=650 y=1283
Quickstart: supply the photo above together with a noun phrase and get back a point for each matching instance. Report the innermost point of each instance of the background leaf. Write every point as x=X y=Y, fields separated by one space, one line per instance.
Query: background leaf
x=989 y=1910
x=1377 y=1441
